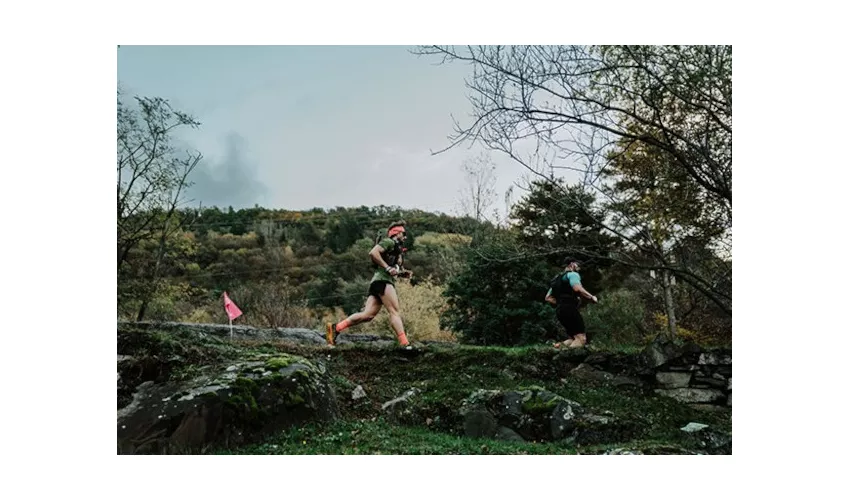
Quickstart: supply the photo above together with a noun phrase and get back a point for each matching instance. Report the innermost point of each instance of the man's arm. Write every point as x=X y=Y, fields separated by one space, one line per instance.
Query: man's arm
x=575 y=283
x=377 y=258
x=550 y=299
x=584 y=293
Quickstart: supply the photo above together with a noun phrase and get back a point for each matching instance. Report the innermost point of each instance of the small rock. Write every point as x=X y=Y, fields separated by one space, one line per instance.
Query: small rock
x=713 y=358
x=231 y=368
x=507 y=434
x=691 y=395
x=399 y=401
x=622 y=451
x=596 y=358
x=673 y=380
x=358 y=393
x=587 y=372
x=623 y=380
x=708 y=382
x=693 y=427
x=683 y=368
x=707 y=407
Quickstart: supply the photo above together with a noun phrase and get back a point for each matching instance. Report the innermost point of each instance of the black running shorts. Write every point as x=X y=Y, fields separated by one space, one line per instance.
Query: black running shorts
x=570 y=318
x=376 y=288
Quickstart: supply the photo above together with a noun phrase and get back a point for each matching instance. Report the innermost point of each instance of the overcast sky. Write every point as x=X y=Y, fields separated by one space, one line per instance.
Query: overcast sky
x=323 y=126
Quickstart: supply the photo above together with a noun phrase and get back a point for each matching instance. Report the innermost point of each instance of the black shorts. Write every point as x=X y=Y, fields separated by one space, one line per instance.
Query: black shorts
x=377 y=288
x=570 y=318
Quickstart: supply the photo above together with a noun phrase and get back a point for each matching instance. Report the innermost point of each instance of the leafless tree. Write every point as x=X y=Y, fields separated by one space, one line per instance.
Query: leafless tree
x=152 y=176
x=152 y=179
x=479 y=192
x=558 y=109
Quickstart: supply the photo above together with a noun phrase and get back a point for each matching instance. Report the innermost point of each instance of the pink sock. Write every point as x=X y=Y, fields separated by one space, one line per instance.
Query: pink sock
x=342 y=325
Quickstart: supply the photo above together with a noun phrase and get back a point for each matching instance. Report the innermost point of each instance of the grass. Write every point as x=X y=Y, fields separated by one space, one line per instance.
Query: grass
x=379 y=437
x=446 y=375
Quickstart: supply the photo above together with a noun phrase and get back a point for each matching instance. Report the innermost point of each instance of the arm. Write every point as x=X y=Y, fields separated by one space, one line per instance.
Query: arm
x=584 y=293
x=550 y=299
x=575 y=283
x=377 y=258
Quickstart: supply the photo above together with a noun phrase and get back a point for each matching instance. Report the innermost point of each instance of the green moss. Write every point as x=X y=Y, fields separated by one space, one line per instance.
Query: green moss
x=242 y=399
x=244 y=383
x=294 y=400
x=278 y=362
x=537 y=405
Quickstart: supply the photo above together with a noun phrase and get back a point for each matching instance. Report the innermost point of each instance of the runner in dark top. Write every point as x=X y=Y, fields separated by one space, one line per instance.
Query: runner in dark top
x=565 y=294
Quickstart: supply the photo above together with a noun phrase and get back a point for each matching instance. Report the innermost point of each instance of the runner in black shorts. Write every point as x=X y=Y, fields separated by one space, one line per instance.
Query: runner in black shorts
x=387 y=256
x=566 y=292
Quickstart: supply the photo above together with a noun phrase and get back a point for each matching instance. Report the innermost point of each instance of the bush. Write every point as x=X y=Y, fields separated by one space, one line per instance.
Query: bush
x=497 y=298
x=272 y=304
x=618 y=319
x=421 y=306
x=699 y=337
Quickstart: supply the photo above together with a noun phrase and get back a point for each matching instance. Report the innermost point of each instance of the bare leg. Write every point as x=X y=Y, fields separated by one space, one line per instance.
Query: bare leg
x=390 y=299
x=373 y=306
x=370 y=310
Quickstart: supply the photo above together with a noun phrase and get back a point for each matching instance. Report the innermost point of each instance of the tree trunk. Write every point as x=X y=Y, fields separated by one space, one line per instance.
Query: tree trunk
x=160 y=254
x=669 y=306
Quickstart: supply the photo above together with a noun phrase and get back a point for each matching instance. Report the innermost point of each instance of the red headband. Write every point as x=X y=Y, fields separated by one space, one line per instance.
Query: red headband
x=394 y=231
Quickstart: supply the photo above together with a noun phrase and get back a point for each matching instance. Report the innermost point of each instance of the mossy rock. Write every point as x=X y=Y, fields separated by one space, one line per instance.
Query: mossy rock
x=536 y=414
x=238 y=405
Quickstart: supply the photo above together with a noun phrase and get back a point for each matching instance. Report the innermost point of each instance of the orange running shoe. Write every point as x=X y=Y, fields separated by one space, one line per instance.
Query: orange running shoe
x=330 y=333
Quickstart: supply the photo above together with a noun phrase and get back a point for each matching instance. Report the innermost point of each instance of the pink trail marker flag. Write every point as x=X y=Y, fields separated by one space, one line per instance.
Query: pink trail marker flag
x=232 y=311
x=230 y=308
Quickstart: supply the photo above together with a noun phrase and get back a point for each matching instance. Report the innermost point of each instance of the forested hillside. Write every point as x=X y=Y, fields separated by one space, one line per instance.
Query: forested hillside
x=473 y=281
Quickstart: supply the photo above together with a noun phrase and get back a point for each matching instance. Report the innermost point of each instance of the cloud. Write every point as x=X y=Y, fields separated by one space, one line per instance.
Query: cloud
x=231 y=181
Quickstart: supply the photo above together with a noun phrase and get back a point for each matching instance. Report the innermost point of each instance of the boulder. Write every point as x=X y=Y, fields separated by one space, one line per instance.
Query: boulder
x=712 y=441
x=659 y=352
x=588 y=372
x=234 y=406
x=479 y=423
x=535 y=414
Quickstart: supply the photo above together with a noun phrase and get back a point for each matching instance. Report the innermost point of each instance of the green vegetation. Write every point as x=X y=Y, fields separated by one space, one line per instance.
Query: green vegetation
x=651 y=219
x=444 y=375
x=379 y=437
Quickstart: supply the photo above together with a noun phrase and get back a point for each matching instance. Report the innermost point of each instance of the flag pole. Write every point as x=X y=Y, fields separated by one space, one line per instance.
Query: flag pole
x=231 y=327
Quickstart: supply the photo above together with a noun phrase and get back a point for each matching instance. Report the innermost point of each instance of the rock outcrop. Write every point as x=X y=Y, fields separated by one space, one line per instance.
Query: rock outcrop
x=536 y=414
x=238 y=405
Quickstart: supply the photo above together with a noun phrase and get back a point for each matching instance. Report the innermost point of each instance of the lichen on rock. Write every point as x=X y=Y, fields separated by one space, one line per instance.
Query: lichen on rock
x=236 y=405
